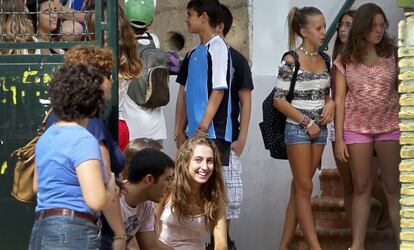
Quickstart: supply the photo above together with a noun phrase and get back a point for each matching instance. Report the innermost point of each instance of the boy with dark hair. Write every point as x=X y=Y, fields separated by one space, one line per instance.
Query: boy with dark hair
x=149 y=176
x=241 y=88
x=203 y=101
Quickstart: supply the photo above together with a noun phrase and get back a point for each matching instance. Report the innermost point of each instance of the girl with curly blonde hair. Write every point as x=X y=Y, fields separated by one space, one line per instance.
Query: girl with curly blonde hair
x=197 y=203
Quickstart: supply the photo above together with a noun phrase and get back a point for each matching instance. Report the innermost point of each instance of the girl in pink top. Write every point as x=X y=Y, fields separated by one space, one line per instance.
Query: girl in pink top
x=367 y=115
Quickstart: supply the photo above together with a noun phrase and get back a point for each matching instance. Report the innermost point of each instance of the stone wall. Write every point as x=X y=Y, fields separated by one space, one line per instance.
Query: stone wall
x=169 y=25
x=406 y=88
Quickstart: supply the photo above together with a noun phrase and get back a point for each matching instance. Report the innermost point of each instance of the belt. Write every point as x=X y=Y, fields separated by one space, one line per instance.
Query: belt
x=65 y=212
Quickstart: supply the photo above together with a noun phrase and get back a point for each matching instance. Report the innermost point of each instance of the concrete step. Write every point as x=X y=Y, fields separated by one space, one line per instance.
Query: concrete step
x=331 y=183
x=329 y=212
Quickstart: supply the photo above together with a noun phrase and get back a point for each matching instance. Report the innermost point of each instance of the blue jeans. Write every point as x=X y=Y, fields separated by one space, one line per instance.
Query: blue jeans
x=294 y=134
x=63 y=232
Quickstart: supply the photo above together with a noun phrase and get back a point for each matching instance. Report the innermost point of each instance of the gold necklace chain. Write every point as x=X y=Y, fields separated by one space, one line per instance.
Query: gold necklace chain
x=307 y=52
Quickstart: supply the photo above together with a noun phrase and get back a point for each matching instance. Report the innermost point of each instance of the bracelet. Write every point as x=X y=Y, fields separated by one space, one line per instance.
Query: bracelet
x=304 y=122
x=120 y=237
x=310 y=124
x=201 y=132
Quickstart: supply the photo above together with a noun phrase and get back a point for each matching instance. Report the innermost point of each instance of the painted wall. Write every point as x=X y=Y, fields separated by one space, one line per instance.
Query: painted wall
x=267 y=181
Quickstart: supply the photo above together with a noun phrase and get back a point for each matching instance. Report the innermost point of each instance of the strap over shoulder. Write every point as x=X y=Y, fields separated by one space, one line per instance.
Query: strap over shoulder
x=327 y=60
x=294 y=55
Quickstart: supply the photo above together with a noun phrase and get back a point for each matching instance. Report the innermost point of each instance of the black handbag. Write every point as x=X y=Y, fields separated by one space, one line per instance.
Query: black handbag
x=273 y=124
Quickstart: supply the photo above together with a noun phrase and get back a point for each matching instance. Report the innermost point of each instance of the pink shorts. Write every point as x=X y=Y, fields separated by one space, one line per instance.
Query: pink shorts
x=353 y=138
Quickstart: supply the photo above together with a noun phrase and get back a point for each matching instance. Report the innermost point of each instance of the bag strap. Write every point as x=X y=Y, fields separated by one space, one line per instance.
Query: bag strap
x=295 y=56
x=327 y=60
x=46 y=117
x=38 y=133
x=42 y=126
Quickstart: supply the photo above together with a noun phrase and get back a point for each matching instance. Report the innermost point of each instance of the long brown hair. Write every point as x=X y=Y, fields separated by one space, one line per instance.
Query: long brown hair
x=338 y=45
x=212 y=193
x=130 y=65
x=361 y=27
x=15 y=27
x=297 y=19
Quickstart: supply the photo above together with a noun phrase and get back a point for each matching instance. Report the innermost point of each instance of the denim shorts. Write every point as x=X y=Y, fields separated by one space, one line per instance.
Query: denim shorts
x=294 y=134
x=63 y=232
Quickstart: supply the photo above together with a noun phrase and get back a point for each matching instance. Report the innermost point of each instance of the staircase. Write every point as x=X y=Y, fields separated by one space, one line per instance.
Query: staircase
x=332 y=227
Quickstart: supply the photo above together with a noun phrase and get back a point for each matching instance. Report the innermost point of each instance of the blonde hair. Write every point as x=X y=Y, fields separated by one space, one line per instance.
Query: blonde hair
x=212 y=194
x=15 y=27
x=297 y=19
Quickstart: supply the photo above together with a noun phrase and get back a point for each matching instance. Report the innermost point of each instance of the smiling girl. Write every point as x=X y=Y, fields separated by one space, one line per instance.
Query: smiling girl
x=197 y=203
x=45 y=22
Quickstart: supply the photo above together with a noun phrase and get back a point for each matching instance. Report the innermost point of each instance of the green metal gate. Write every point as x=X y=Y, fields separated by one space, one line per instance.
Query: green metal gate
x=23 y=103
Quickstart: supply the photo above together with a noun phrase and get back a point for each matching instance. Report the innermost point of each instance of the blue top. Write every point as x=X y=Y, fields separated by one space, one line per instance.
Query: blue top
x=98 y=128
x=204 y=69
x=58 y=152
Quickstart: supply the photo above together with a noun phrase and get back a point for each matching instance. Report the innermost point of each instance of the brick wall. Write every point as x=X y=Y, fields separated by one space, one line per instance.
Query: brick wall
x=406 y=88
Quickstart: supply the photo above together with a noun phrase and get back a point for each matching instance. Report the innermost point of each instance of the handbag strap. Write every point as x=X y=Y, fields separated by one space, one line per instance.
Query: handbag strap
x=43 y=124
x=295 y=56
x=38 y=133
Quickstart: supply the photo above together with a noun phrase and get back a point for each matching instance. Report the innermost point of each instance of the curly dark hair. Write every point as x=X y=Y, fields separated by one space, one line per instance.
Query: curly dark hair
x=75 y=92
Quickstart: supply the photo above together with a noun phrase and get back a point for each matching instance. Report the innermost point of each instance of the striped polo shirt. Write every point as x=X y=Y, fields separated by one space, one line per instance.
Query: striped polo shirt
x=207 y=68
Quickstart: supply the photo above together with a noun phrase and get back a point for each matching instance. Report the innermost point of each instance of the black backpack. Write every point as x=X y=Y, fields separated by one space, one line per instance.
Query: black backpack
x=273 y=125
x=151 y=89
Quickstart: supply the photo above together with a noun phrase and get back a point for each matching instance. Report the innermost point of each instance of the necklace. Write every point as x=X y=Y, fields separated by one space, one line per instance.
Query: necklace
x=307 y=52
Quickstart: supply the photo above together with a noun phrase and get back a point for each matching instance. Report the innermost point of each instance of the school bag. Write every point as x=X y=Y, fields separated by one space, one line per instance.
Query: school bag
x=273 y=125
x=151 y=89
x=25 y=166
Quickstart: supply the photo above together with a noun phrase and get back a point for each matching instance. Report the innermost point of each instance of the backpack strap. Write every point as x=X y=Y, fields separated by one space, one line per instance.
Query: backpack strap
x=142 y=47
x=327 y=60
x=295 y=56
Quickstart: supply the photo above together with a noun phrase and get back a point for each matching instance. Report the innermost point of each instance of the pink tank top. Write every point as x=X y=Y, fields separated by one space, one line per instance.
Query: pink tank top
x=371 y=103
x=188 y=234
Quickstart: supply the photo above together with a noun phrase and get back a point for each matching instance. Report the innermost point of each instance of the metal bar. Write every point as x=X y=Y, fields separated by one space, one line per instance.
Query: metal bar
x=332 y=28
x=112 y=16
x=98 y=23
x=31 y=59
x=44 y=45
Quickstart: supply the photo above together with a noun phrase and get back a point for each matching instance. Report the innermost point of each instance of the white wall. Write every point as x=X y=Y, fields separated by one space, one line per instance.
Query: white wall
x=266 y=181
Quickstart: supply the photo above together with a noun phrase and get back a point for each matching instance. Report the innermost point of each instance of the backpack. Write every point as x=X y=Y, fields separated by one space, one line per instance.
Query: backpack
x=272 y=127
x=151 y=89
x=25 y=166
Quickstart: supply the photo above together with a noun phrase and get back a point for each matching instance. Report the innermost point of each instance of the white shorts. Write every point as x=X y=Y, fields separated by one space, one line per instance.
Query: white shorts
x=233 y=181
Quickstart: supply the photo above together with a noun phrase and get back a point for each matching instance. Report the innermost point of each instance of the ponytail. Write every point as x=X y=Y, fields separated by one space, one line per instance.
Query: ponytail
x=297 y=19
x=291 y=29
